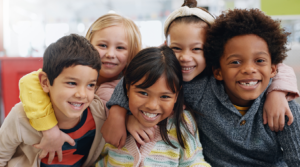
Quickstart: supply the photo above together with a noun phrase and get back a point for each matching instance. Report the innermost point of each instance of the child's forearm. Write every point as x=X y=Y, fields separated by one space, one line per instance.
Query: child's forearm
x=118 y=97
x=36 y=102
x=285 y=81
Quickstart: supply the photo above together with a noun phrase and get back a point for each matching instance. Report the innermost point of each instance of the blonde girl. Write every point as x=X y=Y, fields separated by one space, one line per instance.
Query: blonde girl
x=118 y=40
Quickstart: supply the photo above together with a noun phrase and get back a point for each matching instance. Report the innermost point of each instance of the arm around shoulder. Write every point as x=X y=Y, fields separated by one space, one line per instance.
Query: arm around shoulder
x=285 y=81
x=36 y=102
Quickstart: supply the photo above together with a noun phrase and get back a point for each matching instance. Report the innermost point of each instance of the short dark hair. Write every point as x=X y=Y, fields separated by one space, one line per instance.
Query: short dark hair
x=152 y=63
x=242 y=22
x=68 y=51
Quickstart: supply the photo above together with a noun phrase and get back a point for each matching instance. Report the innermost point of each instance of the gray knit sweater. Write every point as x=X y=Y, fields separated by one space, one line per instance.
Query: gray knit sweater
x=225 y=140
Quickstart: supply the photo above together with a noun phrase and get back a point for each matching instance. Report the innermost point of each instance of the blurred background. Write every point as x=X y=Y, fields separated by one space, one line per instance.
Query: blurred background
x=27 y=27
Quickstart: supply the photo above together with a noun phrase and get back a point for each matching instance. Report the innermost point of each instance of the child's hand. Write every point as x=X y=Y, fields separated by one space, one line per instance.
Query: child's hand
x=113 y=130
x=275 y=109
x=52 y=141
x=140 y=133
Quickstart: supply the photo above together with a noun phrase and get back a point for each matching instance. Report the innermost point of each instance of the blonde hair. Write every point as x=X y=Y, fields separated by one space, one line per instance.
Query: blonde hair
x=132 y=31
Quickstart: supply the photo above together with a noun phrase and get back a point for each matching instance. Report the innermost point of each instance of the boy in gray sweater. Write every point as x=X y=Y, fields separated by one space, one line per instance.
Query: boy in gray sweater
x=243 y=48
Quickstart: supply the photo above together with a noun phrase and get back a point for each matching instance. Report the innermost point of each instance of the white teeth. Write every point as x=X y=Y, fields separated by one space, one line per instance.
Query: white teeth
x=186 y=68
x=249 y=83
x=76 y=104
x=149 y=114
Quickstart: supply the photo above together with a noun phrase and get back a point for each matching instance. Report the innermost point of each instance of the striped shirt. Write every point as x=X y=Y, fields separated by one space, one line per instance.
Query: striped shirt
x=158 y=153
x=83 y=134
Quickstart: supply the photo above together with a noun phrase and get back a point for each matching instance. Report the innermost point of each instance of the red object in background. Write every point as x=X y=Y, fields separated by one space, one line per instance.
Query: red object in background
x=11 y=70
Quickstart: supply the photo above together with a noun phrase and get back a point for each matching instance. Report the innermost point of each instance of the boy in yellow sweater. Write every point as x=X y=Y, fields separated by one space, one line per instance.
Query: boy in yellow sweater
x=70 y=71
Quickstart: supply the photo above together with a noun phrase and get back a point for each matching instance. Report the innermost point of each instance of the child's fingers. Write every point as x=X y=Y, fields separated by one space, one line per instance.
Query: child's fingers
x=290 y=116
x=59 y=154
x=145 y=136
x=150 y=133
x=281 y=122
x=43 y=154
x=68 y=139
x=270 y=123
x=276 y=123
x=51 y=156
x=138 y=138
x=37 y=146
x=122 y=142
x=265 y=117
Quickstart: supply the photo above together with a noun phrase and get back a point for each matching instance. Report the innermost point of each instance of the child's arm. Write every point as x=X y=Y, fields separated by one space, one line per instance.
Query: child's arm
x=192 y=154
x=283 y=88
x=38 y=109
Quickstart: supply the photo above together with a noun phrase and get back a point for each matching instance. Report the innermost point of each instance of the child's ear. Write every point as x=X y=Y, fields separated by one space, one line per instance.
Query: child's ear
x=217 y=74
x=45 y=84
x=273 y=70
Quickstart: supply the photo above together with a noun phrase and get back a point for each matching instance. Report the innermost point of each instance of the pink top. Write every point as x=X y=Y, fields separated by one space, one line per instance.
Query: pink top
x=285 y=81
x=105 y=91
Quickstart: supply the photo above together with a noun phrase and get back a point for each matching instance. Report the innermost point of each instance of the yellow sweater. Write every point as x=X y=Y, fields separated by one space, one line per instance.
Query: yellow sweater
x=37 y=105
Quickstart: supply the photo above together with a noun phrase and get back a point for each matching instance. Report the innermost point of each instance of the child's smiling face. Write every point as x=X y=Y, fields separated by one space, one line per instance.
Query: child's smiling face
x=112 y=45
x=153 y=104
x=187 y=40
x=246 y=68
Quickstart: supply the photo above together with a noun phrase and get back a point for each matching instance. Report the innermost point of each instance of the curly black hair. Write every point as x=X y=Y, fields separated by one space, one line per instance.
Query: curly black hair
x=242 y=22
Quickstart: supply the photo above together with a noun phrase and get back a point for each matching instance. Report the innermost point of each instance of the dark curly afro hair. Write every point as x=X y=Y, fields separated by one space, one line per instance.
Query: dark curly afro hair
x=242 y=22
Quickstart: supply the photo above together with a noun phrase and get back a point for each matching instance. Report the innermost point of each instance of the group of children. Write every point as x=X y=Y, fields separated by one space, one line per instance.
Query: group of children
x=215 y=80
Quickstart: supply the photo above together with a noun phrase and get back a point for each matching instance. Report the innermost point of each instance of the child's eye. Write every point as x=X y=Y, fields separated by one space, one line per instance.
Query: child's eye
x=235 y=62
x=91 y=85
x=197 y=49
x=120 y=47
x=103 y=45
x=260 y=60
x=143 y=93
x=175 y=48
x=165 y=96
x=71 y=83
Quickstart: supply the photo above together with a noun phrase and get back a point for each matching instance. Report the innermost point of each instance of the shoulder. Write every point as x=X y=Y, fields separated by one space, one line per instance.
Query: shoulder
x=189 y=121
x=17 y=111
x=97 y=108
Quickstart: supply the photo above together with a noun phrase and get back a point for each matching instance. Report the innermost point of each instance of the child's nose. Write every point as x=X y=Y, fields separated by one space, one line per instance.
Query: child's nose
x=185 y=56
x=249 y=68
x=81 y=93
x=110 y=53
x=152 y=104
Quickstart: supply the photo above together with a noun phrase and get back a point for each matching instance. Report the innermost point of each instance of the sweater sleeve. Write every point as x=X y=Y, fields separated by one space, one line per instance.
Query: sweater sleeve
x=10 y=137
x=289 y=138
x=36 y=102
x=286 y=81
x=192 y=154
x=118 y=97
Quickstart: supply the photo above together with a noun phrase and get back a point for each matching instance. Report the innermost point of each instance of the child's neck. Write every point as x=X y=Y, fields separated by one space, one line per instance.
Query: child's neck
x=65 y=122
x=102 y=80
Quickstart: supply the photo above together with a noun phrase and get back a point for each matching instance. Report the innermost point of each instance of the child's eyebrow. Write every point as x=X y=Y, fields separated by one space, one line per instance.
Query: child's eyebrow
x=75 y=79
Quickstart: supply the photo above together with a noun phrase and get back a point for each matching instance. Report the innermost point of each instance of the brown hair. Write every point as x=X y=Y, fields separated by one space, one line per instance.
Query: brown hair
x=68 y=51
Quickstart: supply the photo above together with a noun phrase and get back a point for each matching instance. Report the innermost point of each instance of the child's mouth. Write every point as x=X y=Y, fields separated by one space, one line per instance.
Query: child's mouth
x=187 y=69
x=250 y=83
x=149 y=116
x=76 y=105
